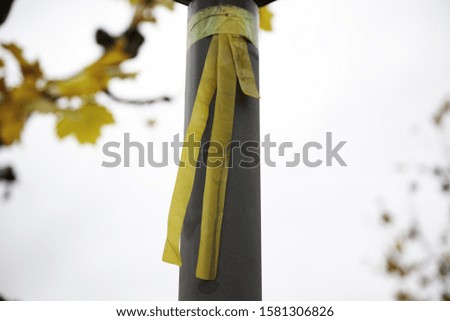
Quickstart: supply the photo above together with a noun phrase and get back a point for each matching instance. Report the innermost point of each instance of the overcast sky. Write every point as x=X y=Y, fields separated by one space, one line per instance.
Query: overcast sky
x=371 y=72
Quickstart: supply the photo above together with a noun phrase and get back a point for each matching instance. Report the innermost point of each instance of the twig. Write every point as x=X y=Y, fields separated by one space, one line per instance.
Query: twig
x=137 y=101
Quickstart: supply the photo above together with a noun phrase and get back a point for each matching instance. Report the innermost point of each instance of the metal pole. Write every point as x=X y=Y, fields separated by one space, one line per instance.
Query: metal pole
x=239 y=267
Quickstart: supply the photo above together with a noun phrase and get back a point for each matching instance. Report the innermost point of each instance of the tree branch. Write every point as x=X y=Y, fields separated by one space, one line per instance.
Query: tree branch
x=137 y=101
x=7 y=174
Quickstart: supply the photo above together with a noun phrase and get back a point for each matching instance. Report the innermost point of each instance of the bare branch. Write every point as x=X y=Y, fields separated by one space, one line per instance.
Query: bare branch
x=137 y=101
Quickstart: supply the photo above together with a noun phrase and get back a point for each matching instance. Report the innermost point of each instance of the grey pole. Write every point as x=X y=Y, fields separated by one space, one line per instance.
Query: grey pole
x=239 y=267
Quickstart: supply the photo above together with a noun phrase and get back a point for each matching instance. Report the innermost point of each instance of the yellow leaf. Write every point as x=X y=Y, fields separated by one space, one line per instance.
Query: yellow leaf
x=13 y=108
x=169 y=4
x=17 y=104
x=265 y=18
x=12 y=120
x=93 y=78
x=29 y=70
x=84 y=123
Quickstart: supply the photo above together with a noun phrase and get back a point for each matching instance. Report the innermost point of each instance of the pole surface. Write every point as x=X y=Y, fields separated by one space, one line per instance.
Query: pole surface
x=239 y=266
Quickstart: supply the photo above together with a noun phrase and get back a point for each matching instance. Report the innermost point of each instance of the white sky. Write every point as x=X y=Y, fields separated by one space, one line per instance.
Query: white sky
x=371 y=72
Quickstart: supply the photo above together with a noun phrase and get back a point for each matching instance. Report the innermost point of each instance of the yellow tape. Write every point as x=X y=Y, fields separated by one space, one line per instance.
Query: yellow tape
x=186 y=171
x=227 y=62
x=222 y=20
x=243 y=66
x=216 y=175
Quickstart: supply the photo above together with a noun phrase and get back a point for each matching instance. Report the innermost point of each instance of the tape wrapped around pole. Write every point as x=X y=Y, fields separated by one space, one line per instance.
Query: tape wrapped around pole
x=217 y=220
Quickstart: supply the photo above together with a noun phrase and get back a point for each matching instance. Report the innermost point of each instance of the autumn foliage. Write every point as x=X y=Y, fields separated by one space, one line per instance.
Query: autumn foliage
x=84 y=117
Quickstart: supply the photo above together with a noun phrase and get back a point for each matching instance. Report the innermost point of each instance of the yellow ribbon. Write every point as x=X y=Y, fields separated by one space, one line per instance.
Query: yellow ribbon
x=227 y=62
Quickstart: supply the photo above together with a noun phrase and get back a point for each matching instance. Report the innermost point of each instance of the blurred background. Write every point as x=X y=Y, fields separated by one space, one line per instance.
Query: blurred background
x=375 y=73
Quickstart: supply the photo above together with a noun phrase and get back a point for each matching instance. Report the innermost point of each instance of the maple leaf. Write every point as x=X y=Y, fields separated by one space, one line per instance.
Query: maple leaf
x=84 y=123
x=16 y=104
x=30 y=70
x=94 y=78
x=39 y=94
x=15 y=107
x=265 y=18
